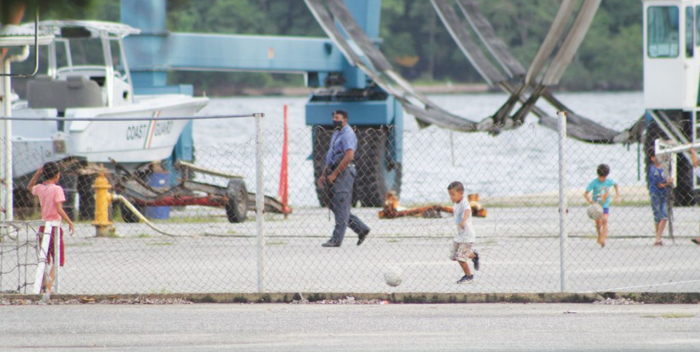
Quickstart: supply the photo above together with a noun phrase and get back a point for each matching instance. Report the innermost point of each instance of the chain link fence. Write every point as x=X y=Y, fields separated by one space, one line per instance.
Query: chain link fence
x=203 y=235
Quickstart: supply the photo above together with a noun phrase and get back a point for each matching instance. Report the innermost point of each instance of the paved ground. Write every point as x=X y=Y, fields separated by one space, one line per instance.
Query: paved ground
x=520 y=251
x=284 y=327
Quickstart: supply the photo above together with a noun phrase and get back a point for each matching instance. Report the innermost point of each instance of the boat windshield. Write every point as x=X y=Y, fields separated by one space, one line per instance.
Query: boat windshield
x=85 y=52
x=663 y=32
x=84 y=45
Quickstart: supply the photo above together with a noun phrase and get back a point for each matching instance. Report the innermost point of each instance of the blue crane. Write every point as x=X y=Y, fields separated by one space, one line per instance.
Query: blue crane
x=377 y=116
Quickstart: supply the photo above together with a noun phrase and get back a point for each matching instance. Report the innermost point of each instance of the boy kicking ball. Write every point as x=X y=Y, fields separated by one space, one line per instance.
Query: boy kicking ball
x=465 y=237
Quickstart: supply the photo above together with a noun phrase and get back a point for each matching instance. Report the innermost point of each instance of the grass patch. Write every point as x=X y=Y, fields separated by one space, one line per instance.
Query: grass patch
x=672 y=316
x=424 y=204
x=81 y=244
x=190 y=220
x=274 y=218
x=677 y=315
x=143 y=235
x=424 y=82
x=276 y=243
x=533 y=203
x=162 y=291
x=488 y=241
x=112 y=233
x=526 y=203
x=160 y=243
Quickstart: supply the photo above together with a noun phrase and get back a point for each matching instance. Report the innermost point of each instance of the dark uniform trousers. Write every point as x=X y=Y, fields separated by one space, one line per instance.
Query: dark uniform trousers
x=340 y=205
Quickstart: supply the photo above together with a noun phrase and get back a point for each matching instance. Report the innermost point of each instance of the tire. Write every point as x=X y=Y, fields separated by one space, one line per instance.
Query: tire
x=237 y=206
x=376 y=172
x=86 y=197
x=321 y=143
x=129 y=216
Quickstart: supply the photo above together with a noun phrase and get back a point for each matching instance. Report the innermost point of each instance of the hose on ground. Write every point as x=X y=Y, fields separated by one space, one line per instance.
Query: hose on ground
x=140 y=216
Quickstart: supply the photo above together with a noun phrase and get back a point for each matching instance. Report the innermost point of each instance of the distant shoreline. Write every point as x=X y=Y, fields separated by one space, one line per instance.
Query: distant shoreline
x=304 y=91
x=460 y=88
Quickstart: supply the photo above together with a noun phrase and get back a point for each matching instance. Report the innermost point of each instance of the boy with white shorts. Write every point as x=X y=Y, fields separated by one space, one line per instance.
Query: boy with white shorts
x=464 y=239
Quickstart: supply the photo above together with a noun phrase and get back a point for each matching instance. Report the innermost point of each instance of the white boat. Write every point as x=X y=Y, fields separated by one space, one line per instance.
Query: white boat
x=87 y=77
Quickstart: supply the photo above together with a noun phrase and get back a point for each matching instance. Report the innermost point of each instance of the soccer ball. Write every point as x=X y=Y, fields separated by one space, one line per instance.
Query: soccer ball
x=595 y=211
x=393 y=276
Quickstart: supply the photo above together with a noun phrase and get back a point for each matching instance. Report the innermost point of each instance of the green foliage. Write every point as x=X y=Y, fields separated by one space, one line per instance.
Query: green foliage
x=610 y=56
x=29 y=7
x=414 y=39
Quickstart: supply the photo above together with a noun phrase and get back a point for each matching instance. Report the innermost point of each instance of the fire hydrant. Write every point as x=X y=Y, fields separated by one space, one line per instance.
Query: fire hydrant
x=102 y=200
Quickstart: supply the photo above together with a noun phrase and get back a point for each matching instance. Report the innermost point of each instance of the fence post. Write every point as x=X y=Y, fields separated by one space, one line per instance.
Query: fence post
x=259 y=200
x=562 y=197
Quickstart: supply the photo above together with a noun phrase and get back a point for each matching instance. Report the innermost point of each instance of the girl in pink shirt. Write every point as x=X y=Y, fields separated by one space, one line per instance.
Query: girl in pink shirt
x=51 y=198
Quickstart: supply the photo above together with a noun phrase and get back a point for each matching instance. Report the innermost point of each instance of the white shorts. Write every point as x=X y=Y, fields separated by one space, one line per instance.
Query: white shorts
x=460 y=251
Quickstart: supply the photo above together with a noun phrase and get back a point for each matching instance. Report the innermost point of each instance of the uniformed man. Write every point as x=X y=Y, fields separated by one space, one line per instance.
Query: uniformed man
x=338 y=176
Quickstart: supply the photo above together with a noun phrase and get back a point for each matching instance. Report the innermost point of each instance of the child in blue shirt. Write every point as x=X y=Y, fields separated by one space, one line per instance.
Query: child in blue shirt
x=659 y=185
x=600 y=188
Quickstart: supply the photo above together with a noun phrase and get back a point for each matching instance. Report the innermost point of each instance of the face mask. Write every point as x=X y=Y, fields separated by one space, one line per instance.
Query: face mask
x=337 y=124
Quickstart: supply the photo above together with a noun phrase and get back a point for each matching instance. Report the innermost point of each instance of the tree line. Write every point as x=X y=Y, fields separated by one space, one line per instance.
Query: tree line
x=413 y=38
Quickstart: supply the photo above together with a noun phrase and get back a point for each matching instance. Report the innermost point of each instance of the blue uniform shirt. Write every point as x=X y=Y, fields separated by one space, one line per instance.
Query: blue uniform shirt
x=599 y=189
x=656 y=176
x=341 y=141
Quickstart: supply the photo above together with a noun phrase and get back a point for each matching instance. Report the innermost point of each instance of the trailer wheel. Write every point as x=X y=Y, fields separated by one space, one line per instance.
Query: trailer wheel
x=129 y=216
x=237 y=206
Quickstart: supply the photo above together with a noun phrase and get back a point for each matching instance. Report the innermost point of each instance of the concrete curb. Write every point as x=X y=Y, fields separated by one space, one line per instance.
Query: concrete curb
x=417 y=298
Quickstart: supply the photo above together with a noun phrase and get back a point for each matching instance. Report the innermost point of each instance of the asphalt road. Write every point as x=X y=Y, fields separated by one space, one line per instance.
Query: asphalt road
x=287 y=327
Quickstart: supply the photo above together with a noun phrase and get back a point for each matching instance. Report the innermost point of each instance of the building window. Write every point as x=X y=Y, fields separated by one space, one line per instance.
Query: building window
x=663 y=38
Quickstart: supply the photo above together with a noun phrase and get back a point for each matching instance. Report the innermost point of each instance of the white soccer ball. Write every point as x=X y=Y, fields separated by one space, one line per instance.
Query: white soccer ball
x=393 y=276
x=595 y=211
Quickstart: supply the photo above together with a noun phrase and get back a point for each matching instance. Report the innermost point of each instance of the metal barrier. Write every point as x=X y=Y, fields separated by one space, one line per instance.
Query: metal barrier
x=526 y=241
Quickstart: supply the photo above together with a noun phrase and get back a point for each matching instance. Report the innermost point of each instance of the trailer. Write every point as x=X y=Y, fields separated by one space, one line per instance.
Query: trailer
x=234 y=197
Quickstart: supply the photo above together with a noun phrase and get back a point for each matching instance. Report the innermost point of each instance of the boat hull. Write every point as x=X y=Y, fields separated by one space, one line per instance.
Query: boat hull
x=130 y=143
